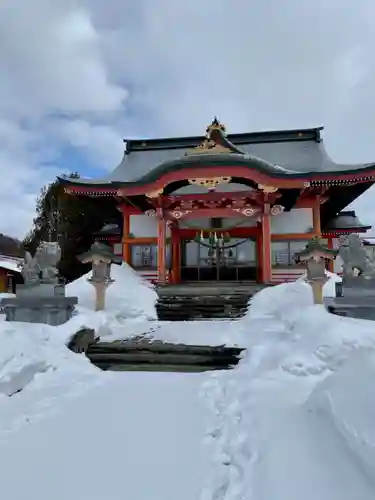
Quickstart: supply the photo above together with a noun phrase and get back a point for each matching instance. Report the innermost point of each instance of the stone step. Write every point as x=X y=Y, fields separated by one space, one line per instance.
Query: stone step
x=141 y=355
x=205 y=308
x=162 y=368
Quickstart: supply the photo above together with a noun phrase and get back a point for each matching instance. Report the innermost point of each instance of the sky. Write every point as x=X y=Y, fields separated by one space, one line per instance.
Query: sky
x=78 y=76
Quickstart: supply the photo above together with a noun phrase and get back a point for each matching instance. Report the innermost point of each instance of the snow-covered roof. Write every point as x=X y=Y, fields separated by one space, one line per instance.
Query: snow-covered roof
x=10 y=265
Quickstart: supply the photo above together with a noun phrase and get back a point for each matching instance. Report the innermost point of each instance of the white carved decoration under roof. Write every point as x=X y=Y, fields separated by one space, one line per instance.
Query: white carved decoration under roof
x=151 y=213
x=277 y=209
x=179 y=214
x=210 y=183
x=247 y=212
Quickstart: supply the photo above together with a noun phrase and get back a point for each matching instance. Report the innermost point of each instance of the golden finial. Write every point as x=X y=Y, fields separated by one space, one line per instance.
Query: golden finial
x=215 y=125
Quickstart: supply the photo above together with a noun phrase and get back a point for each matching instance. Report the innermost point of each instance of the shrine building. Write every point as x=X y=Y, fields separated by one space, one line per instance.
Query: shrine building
x=227 y=208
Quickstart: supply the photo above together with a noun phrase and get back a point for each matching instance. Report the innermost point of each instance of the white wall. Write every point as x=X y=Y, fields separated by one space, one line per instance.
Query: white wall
x=299 y=220
x=199 y=223
x=117 y=248
x=144 y=226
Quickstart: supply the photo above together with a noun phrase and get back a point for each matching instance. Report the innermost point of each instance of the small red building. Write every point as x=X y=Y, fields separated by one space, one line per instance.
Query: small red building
x=10 y=273
x=227 y=207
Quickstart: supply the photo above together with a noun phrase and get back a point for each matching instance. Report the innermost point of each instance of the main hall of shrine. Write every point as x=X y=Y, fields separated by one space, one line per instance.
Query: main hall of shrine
x=227 y=207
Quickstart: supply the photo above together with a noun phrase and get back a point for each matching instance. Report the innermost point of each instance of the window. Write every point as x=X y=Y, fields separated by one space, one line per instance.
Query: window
x=216 y=223
x=283 y=252
x=144 y=256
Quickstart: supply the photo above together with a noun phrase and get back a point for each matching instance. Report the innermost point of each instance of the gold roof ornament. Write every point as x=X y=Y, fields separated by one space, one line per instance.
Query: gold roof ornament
x=215 y=125
x=211 y=183
x=215 y=141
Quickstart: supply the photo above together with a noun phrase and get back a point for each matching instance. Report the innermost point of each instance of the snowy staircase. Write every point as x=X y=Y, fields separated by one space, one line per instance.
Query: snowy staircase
x=185 y=308
x=143 y=355
x=213 y=301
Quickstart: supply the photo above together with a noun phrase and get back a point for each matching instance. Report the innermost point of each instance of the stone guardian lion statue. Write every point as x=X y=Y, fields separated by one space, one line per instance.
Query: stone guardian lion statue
x=355 y=258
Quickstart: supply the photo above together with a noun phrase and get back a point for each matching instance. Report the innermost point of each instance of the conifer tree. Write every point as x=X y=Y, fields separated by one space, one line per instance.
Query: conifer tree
x=72 y=221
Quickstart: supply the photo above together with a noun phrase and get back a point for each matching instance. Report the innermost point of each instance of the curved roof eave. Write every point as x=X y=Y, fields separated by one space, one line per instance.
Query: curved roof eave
x=84 y=182
x=231 y=160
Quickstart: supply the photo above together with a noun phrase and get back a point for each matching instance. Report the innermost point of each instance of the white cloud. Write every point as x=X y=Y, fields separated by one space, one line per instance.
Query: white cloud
x=86 y=72
x=50 y=64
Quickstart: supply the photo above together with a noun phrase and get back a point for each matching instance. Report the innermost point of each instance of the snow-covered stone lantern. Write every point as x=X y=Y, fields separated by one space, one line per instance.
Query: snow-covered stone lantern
x=101 y=256
x=314 y=255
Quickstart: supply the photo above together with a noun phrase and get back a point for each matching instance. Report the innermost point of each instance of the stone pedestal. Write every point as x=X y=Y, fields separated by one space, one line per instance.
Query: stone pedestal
x=100 y=291
x=41 y=303
x=355 y=297
x=317 y=289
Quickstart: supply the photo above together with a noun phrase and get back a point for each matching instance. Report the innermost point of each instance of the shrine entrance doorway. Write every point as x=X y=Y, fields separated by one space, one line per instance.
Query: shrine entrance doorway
x=218 y=260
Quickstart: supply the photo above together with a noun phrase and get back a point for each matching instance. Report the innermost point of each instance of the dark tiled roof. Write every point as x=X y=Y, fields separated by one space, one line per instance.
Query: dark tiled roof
x=102 y=250
x=296 y=152
x=346 y=220
x=315 y=245
x=109 y=229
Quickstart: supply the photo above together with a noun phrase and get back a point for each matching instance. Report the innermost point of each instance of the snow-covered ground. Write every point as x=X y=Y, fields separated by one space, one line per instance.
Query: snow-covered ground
x=294 y=420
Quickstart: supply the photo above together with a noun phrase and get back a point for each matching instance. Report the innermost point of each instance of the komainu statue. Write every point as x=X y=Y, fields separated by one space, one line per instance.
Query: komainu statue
x=354 y=258
x=48 y=255
x=30 y=270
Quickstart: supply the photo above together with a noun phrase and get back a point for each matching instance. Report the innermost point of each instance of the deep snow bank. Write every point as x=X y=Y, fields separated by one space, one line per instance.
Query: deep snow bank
x=282 y=301
x=346 y=399
x=128 y=297
x=27 y=350
x=289 y=424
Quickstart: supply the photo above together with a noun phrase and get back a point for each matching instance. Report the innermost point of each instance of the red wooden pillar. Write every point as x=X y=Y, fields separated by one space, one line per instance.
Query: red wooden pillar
x=316 y=218
x=331 y=263
x=176 y=255
x=126 y=250
x=162 y=272
x=265 y=231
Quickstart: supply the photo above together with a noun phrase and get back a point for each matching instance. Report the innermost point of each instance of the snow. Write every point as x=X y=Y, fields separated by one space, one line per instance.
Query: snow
x=201 y=332
x=294 y=420
x=130 y=296
x=133 y=435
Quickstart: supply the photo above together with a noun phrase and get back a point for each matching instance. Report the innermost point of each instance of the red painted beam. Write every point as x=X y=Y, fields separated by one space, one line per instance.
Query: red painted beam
x=209 y=172
x=181 y=214
x=211 y=196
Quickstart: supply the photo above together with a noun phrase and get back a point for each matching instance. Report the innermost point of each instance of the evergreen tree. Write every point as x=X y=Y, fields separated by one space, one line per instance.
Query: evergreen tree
x=72 y=221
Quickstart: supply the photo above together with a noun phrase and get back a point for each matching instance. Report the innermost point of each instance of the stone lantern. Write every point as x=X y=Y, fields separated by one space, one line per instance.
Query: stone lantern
x=314 y=256
x=101 y=256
